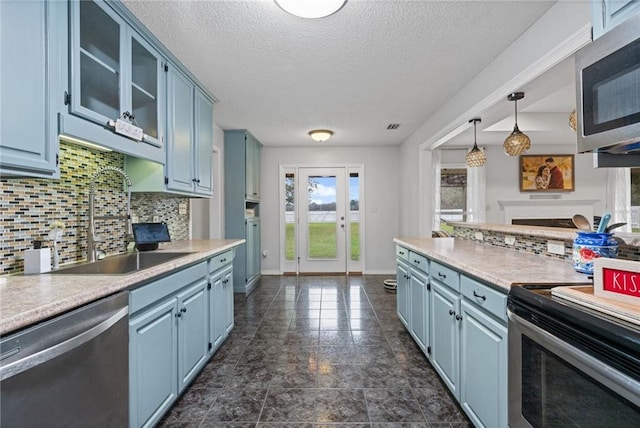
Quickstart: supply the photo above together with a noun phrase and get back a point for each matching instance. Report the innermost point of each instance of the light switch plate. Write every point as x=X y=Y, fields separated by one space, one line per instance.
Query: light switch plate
x=182 y=208
x=509 y=240
x=478 y=236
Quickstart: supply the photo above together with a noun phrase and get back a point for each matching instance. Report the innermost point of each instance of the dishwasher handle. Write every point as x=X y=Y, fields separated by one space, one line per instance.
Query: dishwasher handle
x=29 y=361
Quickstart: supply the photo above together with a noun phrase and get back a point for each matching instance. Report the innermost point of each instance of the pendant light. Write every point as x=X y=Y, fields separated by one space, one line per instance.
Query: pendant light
x=573 y=120
x=476 y=157
x=517 y=143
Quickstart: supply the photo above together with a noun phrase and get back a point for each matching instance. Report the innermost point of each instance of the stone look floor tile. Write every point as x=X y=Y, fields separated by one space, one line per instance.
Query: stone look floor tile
x=317 y=352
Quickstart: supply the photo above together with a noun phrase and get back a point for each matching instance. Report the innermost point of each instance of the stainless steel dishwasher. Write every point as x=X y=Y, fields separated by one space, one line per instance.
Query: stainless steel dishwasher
x=70 y=371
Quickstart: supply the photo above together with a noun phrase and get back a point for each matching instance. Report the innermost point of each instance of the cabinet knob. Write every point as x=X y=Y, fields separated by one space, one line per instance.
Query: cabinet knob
x=458 y=317
x=178 y=315
x=451 y=312
x=183 y=310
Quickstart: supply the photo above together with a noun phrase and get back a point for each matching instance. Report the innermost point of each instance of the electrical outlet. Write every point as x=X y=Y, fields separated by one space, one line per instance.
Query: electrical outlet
x=182 y=208
x=509 y=240
x=555 y=247
x=156 y=219
x=478 y=236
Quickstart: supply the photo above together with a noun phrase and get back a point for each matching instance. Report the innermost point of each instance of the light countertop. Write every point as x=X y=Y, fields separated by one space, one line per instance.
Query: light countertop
x=499 y=266
x=27 y=299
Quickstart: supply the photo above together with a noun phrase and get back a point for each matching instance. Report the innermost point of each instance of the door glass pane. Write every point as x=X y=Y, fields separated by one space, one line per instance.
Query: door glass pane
x=144 y=88
x=322 y=233
x=290 y=217
x=354 y=215
x=99 y=61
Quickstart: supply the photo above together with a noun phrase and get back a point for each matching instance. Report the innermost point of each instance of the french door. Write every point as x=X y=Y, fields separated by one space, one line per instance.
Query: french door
x=322 y=224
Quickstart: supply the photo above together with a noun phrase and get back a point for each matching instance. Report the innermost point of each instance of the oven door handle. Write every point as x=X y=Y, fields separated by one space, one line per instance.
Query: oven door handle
x=29 y=361
x=617 y=381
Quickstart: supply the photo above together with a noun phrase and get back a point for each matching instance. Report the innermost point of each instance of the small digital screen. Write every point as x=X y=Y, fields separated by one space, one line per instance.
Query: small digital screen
x=149 y=233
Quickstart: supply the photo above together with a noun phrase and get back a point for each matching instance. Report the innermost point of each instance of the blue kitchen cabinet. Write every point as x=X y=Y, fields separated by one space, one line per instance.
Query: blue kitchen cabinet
x=180 y=113
x=153 y=361
x=606 y=14
x=188 y=167
x=220 y=299
x=114 y=73
x=242 y=205
x=418 y=324
x=32 y=56
x=445 y=324
x=402 y=288
x=483 y=354
x=168 y=341
x=193 y=339
x=445 y=306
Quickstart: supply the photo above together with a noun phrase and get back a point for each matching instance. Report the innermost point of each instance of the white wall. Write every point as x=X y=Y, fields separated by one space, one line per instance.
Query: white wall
x=502 y=178
x=381 y=198
x=563 y=28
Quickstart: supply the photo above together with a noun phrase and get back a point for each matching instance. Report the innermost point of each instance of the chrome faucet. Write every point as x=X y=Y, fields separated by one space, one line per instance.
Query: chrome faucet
x=91 y=233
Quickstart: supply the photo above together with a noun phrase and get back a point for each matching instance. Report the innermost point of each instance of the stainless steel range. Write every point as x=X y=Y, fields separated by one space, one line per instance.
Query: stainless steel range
x=570 y=366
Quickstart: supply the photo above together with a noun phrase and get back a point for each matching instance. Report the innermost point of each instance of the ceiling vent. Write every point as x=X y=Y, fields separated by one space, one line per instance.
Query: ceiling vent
x=393 y=126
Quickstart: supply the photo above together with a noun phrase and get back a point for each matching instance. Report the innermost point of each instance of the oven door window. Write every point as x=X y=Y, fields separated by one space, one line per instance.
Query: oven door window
x=611 y=98
x=554 y=393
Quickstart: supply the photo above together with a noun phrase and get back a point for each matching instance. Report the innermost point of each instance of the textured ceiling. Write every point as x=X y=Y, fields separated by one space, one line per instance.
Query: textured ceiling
x=373 y=63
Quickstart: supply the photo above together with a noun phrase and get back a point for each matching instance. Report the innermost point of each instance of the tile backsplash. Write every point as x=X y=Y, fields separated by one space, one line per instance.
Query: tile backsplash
x=28 y=206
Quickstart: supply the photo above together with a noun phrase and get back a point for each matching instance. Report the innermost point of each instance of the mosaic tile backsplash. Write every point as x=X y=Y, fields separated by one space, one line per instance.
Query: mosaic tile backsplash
x=28 y=207
x=536 y=244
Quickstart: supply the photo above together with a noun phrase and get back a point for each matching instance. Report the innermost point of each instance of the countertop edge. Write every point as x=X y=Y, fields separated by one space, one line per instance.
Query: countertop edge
x=102 y=285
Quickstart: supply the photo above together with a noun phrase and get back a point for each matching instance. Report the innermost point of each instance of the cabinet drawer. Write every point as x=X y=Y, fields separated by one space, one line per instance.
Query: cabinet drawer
x=220 y=260
x=445 y=275
x=484 y=296
x=418 y=261
x=152 y=292
x=402 y=253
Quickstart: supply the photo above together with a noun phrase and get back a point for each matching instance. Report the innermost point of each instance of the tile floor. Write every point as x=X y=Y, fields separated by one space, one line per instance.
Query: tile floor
x=317 y=352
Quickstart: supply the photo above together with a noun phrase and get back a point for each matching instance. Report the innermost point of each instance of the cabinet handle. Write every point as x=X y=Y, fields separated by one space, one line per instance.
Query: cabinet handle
x=402 y=253
x=255 y=225
x=178 y=315
x=223 y=260
x=451 y=312
x=458 y=317
x=479 y=296
x=183 y=310
x=442 y=275
x=604 y=13
x=416 y=261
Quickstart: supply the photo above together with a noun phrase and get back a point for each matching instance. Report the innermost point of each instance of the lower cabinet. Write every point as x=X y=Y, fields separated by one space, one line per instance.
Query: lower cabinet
x=176 y=323
x=445 y=335
x=402 y=291
x=464 y=336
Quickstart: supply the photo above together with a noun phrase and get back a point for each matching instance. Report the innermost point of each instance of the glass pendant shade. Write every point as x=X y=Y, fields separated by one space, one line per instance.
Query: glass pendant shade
x=476 y=157
x=573 y=120
x=517 y=143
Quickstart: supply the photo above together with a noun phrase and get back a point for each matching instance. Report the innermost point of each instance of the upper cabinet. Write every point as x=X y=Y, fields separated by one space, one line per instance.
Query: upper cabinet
x=114 y=74
x=252 y=185
x=32 y=51
x=188 y=167
x=606 y=14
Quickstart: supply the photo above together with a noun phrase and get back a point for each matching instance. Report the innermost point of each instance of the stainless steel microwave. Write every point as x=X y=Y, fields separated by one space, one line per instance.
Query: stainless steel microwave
x=608 y=91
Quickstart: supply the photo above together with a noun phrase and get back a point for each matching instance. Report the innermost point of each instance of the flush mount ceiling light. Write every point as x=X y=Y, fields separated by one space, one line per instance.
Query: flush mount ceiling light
x=517 y=143
x=311 y=8
x=476 y=157
x=320 y=135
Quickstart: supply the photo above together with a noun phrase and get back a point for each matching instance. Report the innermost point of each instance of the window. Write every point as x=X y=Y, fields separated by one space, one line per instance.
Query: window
x=453 y=194
x=635 y=199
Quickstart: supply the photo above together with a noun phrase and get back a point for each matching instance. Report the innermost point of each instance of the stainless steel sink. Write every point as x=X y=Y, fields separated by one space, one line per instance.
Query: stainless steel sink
x=121 y=264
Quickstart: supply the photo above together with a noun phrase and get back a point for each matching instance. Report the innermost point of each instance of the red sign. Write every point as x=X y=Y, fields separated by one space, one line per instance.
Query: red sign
x=621 y=282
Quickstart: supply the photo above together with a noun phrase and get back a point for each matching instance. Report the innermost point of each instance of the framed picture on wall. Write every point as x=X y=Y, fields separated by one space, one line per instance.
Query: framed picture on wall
x=547 y=173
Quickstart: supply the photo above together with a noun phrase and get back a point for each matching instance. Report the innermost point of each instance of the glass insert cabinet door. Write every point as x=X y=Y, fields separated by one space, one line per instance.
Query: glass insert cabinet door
x=114 y=71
